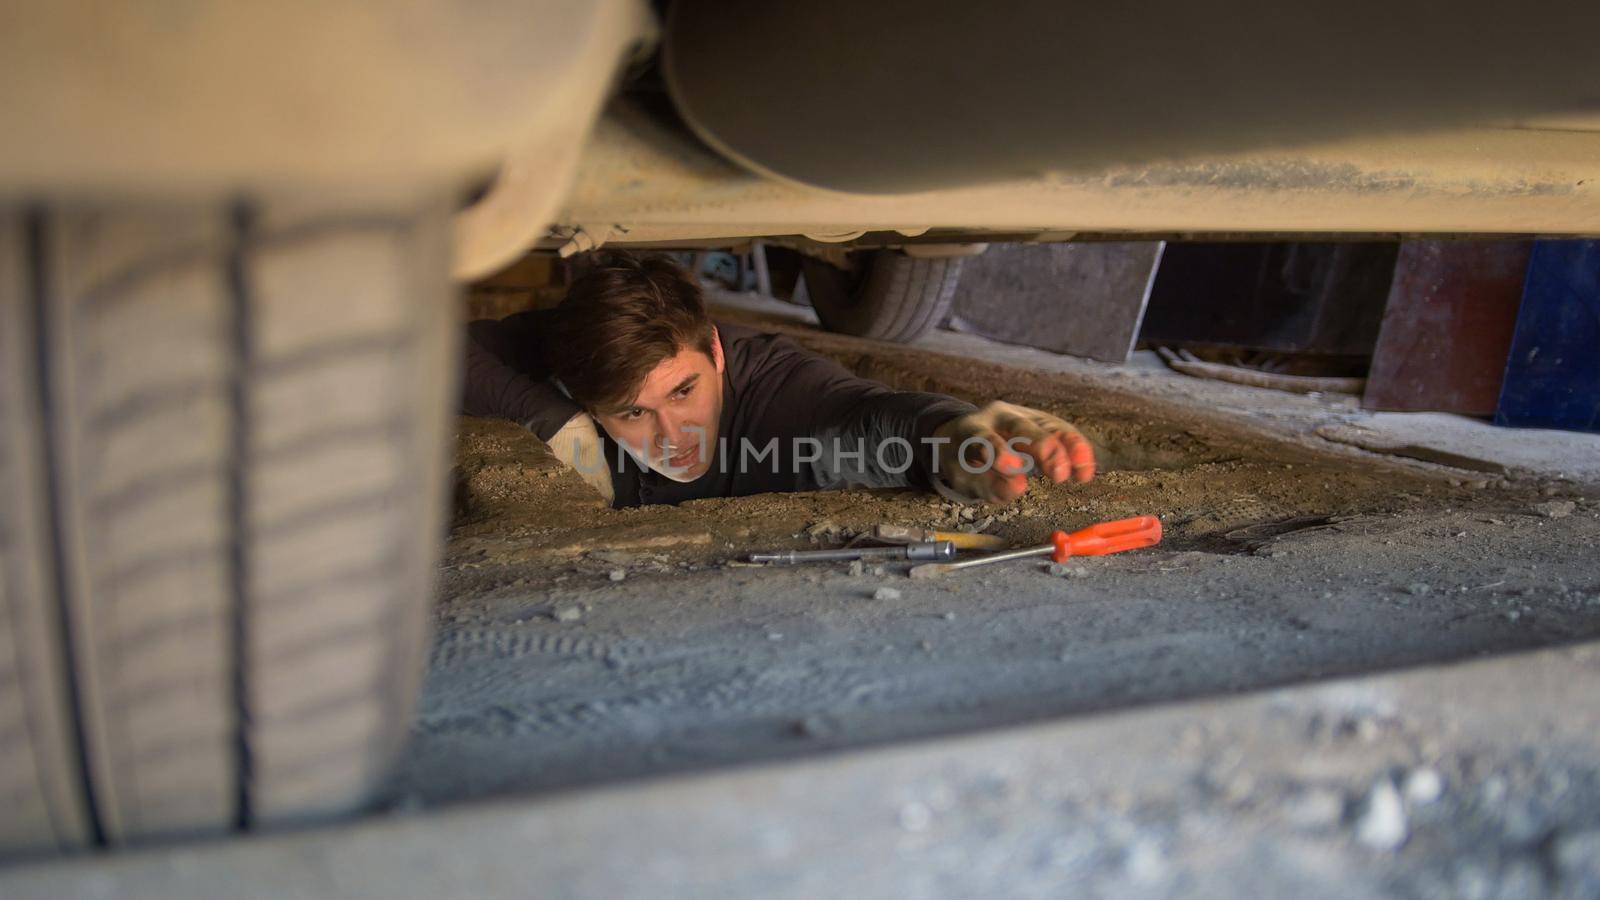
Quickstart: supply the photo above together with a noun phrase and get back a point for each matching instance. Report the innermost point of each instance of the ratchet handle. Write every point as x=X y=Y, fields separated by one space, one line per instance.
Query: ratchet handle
x=1107 y=537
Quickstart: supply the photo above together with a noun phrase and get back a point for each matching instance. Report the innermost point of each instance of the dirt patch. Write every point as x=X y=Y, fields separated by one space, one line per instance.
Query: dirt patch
x=502 y=471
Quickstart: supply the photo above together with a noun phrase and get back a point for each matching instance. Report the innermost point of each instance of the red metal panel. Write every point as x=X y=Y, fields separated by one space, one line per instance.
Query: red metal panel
x=1447 y=328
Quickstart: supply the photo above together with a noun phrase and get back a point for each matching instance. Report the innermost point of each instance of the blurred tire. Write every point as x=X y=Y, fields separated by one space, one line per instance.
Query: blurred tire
x=886 y=295
x=222 y=450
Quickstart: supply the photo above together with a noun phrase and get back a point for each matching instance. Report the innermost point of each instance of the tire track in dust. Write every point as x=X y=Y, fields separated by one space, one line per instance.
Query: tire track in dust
x=650 y=708
x=468 y=645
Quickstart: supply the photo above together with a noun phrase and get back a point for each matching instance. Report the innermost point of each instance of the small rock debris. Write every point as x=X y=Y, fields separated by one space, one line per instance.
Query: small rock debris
x=886 y=593
x=1577 y=856
x=915 y=816
x=823 y=530
x=568 y=614
x=815 y=727
x=1423 y=786
x=1382 y=824
x=1317 y=809
x=617 y=575
x=1555 y=509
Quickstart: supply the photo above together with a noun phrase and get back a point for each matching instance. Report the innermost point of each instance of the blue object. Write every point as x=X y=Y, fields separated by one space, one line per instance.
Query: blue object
x=1553 y=374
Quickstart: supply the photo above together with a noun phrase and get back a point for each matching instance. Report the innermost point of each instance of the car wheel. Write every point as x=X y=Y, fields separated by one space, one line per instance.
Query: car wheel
x=222 y=458
x=885 y=295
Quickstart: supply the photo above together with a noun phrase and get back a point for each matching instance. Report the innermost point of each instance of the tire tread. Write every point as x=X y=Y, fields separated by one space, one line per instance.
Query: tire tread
x=186 y=347
x=899 y=299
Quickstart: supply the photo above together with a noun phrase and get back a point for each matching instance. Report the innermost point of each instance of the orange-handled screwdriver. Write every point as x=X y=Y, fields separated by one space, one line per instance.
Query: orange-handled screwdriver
x=1096 y=540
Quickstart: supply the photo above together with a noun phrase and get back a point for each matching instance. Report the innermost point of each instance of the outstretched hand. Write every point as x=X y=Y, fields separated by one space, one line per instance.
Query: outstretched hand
x=991 y=452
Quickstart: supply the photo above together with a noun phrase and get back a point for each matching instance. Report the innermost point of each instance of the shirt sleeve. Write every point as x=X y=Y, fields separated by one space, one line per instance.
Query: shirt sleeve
x=868 y=434
x=505 y=378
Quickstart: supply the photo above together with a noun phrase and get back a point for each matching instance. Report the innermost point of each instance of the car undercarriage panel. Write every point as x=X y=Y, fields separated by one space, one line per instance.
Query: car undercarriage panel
x=885 y=97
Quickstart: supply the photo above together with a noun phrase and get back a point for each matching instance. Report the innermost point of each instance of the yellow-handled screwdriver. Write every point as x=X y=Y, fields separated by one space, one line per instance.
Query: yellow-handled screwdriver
x=901 y=534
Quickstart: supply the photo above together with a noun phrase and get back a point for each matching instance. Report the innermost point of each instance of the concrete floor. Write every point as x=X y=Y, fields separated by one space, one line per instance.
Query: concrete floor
x=1476 y=781
x=1141 y=725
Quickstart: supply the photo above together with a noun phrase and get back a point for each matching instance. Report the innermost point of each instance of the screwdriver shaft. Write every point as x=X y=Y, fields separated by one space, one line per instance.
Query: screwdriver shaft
x=999 y=557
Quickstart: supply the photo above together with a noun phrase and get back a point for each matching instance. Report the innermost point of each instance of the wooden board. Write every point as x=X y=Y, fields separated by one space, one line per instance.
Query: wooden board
x=1447 y=327
x=1081 y=299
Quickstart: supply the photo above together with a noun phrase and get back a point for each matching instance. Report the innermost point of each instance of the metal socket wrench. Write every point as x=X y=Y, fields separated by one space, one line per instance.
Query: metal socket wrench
x=927 y=550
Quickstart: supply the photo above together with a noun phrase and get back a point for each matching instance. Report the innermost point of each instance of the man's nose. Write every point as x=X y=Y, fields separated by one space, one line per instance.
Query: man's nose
x=668 y=428
x=677 y=431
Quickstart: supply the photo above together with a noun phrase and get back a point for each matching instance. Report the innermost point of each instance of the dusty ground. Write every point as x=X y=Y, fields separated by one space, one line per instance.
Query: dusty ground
x=1474 y=780
x=577 y=644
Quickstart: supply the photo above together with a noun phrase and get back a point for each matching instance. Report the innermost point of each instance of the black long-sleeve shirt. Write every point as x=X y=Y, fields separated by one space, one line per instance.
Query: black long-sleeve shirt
x=774 y=393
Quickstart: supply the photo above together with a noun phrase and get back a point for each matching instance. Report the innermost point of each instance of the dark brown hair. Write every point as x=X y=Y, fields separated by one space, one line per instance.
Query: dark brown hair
x=621 y=317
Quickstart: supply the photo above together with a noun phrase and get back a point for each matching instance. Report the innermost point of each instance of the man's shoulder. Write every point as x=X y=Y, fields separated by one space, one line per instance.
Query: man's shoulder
x=748 y=349
x=515 y=339
x=528 y=320
x=734 y=334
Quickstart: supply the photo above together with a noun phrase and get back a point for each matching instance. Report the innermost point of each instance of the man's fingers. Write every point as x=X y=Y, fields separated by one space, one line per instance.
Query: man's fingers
x=1006 y=488
x=1009 y=463
x=1007 y=479
x=1078 y=451
x=1081 y=455
x=1026 y=437
x=1057 y=462
x=1004 y=444
x=1059 y=450
x=985 y=467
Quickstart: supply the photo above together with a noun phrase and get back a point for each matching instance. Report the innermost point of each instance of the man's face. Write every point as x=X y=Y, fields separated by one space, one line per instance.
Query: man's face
x=672 y=423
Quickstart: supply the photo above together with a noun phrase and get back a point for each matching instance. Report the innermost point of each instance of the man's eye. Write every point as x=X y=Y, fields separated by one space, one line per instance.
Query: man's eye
x=684 y=392
x=633 y=414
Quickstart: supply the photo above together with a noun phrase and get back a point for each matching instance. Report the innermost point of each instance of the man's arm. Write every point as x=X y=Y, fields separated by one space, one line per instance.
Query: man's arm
x=505 y=380
x=978 y=454
x=868 y=434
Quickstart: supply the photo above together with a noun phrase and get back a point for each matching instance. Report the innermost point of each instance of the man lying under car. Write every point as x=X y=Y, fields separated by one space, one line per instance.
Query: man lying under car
x=687 y=408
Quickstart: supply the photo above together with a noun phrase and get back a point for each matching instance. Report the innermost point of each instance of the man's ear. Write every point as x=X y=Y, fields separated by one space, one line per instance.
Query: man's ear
x=716 y=349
